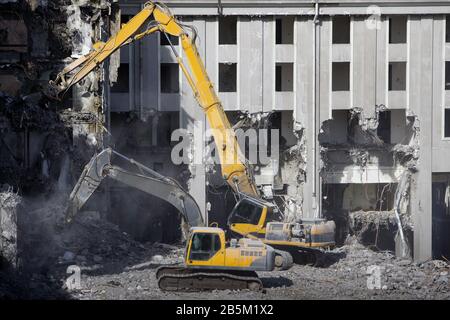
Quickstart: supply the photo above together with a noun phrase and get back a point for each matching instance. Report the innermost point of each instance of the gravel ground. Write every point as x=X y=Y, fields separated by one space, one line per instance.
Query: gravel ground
x=345 y=279
x=113 y=266
x=134 y=278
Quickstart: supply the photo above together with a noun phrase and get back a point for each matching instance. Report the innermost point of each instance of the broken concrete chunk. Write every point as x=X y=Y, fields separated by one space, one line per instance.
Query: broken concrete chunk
x=68 y=256
x=157 y=258
x=9 y=207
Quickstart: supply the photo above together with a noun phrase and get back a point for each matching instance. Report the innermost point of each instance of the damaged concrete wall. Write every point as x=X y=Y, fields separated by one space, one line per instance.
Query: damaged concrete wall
x=44 y=143
x=362 y=159
x=89 y=22
x=352 y=148
x=54 y=31
x=363 y=155
x=357 y=156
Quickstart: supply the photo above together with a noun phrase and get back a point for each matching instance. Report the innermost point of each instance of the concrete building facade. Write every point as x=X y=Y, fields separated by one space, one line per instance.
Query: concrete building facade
x=359 y=90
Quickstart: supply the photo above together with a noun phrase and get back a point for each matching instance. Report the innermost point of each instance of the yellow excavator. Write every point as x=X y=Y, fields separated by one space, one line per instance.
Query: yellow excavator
x=211 y=263
x=252 y=215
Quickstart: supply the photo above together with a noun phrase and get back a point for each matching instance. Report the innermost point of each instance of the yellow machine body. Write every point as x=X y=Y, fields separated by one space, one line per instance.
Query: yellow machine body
x=212 y=262
x=252 y=218
x=207 y=249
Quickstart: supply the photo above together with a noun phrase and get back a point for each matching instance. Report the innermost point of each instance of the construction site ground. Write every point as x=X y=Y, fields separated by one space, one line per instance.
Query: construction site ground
x=113 y=266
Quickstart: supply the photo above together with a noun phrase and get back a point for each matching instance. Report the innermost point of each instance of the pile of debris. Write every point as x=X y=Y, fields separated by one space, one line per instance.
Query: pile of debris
x=9 y=205
x=362 y=273
x=49 y=246
x=93 y=242
x=396 y=274
x=88 y=240
x=378 y=229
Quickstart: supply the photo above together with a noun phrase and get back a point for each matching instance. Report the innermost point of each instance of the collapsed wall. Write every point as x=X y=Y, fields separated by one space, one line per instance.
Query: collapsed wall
x=366 y=165
x=293 y=164
x=367 y=171
x=275 y=150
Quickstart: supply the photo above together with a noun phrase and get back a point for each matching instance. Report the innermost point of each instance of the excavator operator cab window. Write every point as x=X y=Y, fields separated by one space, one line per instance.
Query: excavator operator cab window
x=204 y=246
x=246 y=212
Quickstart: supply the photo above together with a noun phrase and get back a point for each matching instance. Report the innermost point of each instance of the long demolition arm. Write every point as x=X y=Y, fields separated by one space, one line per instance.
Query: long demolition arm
x=234 y=169
x=146 y=180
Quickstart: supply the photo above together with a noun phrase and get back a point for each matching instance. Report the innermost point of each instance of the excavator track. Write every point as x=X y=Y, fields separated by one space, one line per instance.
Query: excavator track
x=176 y=278
x=283 y=260
x=314 y=257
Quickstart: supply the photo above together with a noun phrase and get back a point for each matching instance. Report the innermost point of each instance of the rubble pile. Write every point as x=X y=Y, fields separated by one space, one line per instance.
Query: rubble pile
x=9 y=206
x=114 y=266
x=398 y=276
x=94 y=245
x=88 y=240
x=354 y=276
x=351 y=276
x=377 y=229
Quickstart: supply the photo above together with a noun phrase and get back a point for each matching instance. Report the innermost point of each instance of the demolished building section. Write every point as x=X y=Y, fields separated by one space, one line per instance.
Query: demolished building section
x=343 y=88
x=367 y=171
x=43 y=142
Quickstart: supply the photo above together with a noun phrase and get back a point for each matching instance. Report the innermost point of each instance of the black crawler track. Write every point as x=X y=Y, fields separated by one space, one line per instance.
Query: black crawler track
x=178 y=278
x=315 y=257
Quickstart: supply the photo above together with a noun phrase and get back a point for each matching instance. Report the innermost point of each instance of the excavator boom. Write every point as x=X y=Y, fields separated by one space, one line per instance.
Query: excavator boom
x=80 y=68
x=146 y=180
x=234 y=169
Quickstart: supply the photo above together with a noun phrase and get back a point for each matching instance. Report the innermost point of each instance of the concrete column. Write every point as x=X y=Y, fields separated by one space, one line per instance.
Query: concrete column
x=268 y=67
x=324 y=72
x=190 y=113
x=363 y=66
x=149 y=93
x=381 y=85
x=304 y=100
x=441 y=146
x=420 y=95
x=250 y=64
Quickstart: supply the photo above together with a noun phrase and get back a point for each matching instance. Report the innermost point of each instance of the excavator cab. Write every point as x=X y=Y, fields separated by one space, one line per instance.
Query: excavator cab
x=205 y=247
x=249 y=217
